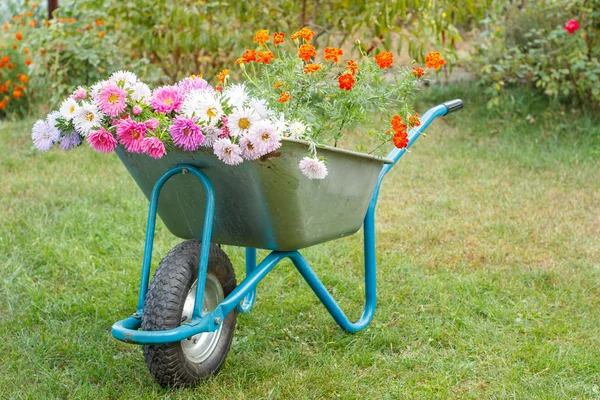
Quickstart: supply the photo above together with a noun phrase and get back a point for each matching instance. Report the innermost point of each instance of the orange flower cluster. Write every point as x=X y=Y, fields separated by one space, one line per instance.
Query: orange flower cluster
x=400 y=138
x=221 y=75
x=278 y=38
x=333 y=54
x=352 y=67
x=264 y=56
x=346 y=81
x=418 y=72
x=385 y=59
x=306 y=52
x=434 y=60
x=284 y=97
x=262 y=37
x=414 y=120
x=249 y=56
x=303 y=33
x=312 y=68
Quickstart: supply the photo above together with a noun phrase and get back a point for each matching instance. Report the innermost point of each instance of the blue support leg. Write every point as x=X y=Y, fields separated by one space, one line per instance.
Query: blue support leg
x=248 y=301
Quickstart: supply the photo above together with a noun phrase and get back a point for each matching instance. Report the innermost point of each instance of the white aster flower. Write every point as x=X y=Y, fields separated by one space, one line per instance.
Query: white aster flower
x=297 y=130
x=68 y=108
x=313 y=168
x=241 y=121
x=236 y=95
x=260 y=106
x=281 y=124
x=211 y=134
x=96 y=87
x=52 y=123
x=43 y=137
x=126 y=78
x=141 y=92
x=228 y=152
x=264 y=137
x=204 y=105
x=86 y=118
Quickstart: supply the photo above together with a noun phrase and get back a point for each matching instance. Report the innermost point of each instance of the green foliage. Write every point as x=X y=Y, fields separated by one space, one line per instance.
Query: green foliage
x=530 y=46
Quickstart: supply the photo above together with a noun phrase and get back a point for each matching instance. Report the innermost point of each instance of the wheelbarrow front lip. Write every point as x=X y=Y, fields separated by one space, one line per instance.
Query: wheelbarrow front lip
x=343 y=151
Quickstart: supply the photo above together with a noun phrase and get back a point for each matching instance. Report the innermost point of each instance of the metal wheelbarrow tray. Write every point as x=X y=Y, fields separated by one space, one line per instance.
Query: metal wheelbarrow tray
x=266 y=203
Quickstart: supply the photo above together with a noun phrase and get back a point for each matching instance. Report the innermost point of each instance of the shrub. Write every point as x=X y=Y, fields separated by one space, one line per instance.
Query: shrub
x=553 y=46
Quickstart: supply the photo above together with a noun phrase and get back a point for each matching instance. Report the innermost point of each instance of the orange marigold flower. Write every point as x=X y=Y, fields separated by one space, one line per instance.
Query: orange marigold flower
x=72 y=20
x=278 y=37
x=29 y=13
x=28 y=61
x=25 y=51
x=352 y=67
x=14 y=46
x=398 y=124
x=6 y=26
x=418 y=72
x=306 y=51
x=16 y=18
x=19 y=36
x=221 y=75
x=312 y=68
x=34 y=5
x=264 y=56
x=389 y=132
x=99 y=22
x=10 y=65
x=285 y=96
x=415 y=120
x=17 y=94
x=3 y=88
x=219 y=88
x=277 y=85
x=346 y=81
x=333 y=54
x=249 y=55
x=33 y=23
x=400 y=140
x=101 y=35
x=385 y=59
x=5 y=59
x=434 y=60
x=2 y=105
x=304 y=33
x=262 y=37
x=23 y=78
x=88 y=27
x=46 y=22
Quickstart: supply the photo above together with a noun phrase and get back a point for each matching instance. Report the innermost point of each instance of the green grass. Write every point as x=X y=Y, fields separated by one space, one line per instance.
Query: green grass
x=489 y=263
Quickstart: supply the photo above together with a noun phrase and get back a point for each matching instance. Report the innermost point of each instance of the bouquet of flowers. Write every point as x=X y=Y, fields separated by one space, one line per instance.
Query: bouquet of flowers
x=284 y=95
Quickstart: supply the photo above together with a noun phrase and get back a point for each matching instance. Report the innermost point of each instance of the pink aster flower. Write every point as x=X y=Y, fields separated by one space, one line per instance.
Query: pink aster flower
x=225 y=130
x=136 y=110
x=79 y=94
x=572 y=26
x=103 y=141
x=186 y=134
x=166 y=99
x=192 y=83
x=265 y=137
x=111 y=99
x=313 y=168
x=131 y=134
x=228 y=152
x=153 y=147
x=151 y=124
x=211 y=134
x=249 y=151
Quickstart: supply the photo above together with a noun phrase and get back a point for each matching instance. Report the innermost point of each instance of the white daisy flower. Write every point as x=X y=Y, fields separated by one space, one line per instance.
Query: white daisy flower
x=297 y=130
x=141 y=92
x=43 y=137
x=86 y=118
x=264 y=137
x=260 y=106
x=313 y=168
x=241 y=121
x=204 y=105
x=228 y=152
x=68 y=108
x=211 y=134
x=126 y=78
x=236 y=95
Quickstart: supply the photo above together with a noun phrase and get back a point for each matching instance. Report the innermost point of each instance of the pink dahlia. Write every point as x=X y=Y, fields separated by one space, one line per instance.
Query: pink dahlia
x=131 y=134
x=112 y=100
x=153 y=147
x=166 y=99
x=186 y=134
x=103 y=141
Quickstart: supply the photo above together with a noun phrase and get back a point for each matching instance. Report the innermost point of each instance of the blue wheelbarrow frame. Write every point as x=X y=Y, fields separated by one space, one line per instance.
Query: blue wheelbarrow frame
x=244 y=295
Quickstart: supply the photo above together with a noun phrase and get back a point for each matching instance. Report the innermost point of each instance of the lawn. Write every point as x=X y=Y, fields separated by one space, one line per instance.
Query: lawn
x=489 y=263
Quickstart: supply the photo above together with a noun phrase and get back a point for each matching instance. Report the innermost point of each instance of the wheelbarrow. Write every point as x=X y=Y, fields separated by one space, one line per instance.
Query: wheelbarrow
x=263 y=204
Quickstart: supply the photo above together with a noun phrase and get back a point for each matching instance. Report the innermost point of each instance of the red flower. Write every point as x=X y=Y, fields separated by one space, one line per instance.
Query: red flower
x=572 y=26
x=400 y=140
x=346 y=81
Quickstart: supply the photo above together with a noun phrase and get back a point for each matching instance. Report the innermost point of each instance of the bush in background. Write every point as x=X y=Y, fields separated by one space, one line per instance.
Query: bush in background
x=553 y=46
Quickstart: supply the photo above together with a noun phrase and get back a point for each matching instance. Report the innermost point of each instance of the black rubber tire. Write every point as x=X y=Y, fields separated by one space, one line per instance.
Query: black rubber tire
x=163 y=310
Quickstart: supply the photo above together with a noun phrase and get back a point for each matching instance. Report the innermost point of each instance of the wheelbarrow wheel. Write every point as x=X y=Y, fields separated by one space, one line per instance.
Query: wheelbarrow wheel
x=169 y=303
